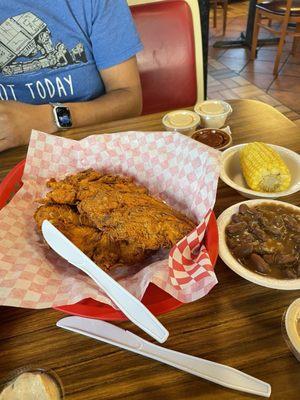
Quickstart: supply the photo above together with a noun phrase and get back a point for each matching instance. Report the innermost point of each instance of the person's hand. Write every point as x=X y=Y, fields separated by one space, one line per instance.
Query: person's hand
x=18 y=119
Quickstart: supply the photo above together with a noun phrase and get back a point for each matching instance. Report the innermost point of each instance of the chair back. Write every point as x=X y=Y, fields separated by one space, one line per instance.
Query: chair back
x=170 y=65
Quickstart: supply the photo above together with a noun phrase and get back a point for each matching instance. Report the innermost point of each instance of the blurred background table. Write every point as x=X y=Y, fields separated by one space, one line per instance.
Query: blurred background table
x=237 y=323
x=245 y=39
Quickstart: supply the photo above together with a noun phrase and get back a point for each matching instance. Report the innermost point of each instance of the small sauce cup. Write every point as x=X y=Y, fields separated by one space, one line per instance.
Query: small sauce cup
x=33 y=383
x=183 y=121
x=215 y=138
x=213 y=113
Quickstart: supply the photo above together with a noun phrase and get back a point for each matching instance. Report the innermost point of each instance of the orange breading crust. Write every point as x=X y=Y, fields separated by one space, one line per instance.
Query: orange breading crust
x=110 y=218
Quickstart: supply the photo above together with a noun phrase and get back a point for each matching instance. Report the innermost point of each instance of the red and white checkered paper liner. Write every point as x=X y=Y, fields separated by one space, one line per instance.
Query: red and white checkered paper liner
x=179 y=170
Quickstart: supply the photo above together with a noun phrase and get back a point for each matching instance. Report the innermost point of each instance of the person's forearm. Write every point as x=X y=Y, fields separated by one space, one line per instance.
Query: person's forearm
x=122 y=100
x=117 y=104
x=18 y=119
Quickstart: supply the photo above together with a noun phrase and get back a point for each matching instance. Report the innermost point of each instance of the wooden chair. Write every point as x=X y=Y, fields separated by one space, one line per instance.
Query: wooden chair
x=171 y=63
x=283 y=11
x=224 y=5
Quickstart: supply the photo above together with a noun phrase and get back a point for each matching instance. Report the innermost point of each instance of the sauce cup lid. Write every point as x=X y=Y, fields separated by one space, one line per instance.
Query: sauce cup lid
x=181 y=119
x=212 y=107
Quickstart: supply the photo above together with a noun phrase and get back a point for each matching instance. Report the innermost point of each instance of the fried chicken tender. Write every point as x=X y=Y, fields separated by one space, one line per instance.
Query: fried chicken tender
x=138 y=218
x=110 y=218
x=108 y=183
x=82 y=185
x=84 y=237
x=55 y=213
x=68 y=221
x=65 y=191
x=112 y=252
x=61 y=193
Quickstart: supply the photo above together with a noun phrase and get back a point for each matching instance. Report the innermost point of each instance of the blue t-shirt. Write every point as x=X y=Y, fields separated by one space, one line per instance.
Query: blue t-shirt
x=52 y=50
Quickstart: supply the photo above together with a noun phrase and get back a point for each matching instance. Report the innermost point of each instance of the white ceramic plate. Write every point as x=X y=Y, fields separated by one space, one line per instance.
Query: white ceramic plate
x=232 y=175
x=227 y=257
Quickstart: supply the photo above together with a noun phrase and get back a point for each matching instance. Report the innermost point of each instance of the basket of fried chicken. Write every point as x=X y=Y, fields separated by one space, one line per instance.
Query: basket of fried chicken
x=136 y=203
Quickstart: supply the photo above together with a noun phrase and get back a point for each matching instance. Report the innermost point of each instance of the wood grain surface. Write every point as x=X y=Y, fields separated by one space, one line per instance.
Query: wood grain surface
x=237 y=323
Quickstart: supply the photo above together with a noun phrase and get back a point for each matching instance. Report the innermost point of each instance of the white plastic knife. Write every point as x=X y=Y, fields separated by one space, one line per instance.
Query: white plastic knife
x=211 y=371
x=125 y=301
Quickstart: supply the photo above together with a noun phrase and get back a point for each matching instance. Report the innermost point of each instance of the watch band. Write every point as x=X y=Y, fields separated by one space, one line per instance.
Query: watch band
x=57 y=105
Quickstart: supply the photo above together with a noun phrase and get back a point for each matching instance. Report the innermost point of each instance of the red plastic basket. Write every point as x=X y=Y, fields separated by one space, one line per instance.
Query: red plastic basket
x=155 y=299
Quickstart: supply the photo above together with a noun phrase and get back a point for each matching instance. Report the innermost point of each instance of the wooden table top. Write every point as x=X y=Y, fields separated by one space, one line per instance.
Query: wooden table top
x=237 y=323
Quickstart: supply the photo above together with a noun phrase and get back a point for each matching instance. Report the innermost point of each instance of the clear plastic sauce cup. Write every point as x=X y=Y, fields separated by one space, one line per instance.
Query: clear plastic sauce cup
x=291 y=327
x=33 y=384
x=182 y=121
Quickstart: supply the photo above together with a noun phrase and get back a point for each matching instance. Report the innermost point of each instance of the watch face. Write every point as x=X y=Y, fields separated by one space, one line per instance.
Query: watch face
x=64 y=117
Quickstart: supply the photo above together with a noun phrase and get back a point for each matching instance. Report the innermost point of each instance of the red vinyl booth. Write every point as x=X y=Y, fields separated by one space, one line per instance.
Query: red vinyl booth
x=167 y=64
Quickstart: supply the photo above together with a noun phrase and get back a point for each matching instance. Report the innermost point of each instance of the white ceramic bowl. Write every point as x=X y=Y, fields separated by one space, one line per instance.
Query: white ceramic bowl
x=227 y=257
x=212 y=119
x=231 y=172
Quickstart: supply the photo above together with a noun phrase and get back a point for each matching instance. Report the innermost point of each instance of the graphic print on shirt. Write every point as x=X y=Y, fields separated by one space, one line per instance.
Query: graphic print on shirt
x=25 y=36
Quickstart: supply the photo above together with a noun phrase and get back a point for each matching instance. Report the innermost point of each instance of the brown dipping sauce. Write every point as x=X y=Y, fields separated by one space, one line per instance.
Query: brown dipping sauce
x=212 y=137
x=266 y=239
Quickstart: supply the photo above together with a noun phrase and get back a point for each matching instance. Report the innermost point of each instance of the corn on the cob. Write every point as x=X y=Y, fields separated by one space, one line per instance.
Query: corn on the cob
x=263 y=168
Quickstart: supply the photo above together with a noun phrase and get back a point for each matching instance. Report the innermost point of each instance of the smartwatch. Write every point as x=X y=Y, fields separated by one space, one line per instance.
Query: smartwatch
x=62 y=116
